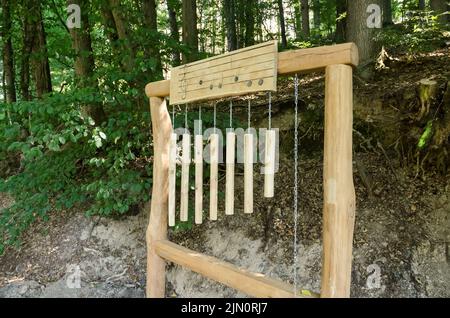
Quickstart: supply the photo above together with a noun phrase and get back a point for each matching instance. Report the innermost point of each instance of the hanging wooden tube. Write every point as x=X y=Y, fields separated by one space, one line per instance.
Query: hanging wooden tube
x=269 y=164
x=185 y=162
x=172 y=178
x=214 y=176
x=198 y=153
x=248 y=173
x=230 y=163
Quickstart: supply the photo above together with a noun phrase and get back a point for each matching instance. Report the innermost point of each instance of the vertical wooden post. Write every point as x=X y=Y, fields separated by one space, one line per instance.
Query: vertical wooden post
x=157 y=227
x=339 y=192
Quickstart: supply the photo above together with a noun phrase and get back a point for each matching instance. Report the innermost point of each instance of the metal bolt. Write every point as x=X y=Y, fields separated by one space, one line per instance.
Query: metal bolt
x=220 y=85
x=236 y=78
x=200 y=82
x=261 y=81
x=249 y=83
x=211 y=86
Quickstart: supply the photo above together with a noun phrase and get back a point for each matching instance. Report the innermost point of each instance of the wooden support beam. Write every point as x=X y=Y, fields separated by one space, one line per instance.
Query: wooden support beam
x=253 y=284
x=157 y=227
x=339 y=192
x=290 y=62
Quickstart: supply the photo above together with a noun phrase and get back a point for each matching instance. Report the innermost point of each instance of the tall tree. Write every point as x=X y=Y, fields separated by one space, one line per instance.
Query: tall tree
x=174 y=33
x=8 y=54
x=151 y=21
x=341 y=10
x=230 y=24
x=421 y=5
x=316 y=12
x=28 y=32
x=282 y=23
x=297 y=19
x=359 y=30
x=128 y=50
x=84 y=58
x=305 y=19
x=40 y=62
x=249 y=22
x=190 y=32
x=387 y=12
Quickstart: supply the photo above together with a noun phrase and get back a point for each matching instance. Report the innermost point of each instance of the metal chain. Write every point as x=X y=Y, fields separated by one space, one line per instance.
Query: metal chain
x=270 y=110
x=296 y=84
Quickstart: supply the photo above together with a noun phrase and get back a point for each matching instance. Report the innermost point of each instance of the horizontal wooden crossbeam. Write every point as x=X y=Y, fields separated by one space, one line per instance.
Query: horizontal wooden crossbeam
x=290 y=62
x=253 y=284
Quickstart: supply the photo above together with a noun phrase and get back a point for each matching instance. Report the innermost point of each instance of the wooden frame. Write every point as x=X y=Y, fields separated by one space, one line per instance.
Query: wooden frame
x=339 y=194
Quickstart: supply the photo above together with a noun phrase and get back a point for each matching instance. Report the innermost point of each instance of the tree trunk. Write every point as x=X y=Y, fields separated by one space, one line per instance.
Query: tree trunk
x=358 y=30
x=387 y=12
x=249 y=23
x=421 y=5
x=282 y=24
x=129 y=53
x=8 y=54
x=174 y=34
x=29 y=31
x=305 y=19
x=316 y=11
x=40 y=62
x=439 y=7
x=84 y=60
x=240 y=7
x=341 y=9
x=230 y=23
x=151 y=21
x=297 y=19
x=190 y=32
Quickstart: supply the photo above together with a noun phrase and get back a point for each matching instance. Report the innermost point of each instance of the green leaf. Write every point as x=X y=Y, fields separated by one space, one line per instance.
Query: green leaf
x=62 y=140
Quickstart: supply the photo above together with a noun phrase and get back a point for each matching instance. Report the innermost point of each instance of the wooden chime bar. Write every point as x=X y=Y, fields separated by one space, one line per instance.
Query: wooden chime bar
x=214 y=176
x=269 y=163
x=339 y=196
x=229 y=178
x=198 y=153
x=185 y=164
x=248 y=173
x=172 y=178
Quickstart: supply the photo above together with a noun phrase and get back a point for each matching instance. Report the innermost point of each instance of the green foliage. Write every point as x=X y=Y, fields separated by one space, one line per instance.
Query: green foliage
x=67 y=160
x=421 y=32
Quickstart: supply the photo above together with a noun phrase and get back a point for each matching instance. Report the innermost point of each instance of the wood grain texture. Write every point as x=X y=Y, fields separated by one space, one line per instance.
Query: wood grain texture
x=339 y=192
x=198 y=158
x=214 y=177
x=269 y=164
x=248 y=173
x=253 y=284
x=230 y=167
x=239 y=72
x=185 y=164
x=172 y=178
x=290 y=62
x=157 y=227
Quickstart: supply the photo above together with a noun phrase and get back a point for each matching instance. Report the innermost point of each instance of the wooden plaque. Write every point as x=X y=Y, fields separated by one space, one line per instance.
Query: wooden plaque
x=240 y=72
